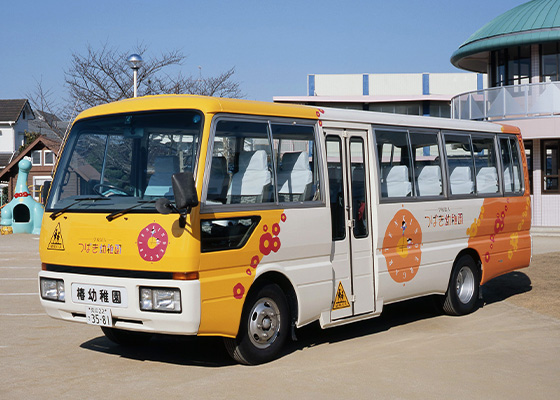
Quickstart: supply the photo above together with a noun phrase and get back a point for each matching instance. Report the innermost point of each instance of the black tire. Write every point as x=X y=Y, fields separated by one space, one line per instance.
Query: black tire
x=464 y=285
x=263 y=328
x=126 y=338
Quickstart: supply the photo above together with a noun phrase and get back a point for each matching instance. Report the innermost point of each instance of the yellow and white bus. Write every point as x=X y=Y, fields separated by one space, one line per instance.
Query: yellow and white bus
x=204 y=216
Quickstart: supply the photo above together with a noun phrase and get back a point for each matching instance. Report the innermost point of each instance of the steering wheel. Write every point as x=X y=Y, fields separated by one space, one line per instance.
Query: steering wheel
x=97 y=190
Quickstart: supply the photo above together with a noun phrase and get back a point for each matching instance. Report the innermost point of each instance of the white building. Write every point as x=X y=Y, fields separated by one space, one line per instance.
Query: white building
x=412 y=94
x=520 y=52
x=14 y=121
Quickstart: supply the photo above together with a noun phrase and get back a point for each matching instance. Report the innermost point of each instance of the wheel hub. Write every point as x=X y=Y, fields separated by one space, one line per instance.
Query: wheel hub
x=465 y=285
x=264 y=323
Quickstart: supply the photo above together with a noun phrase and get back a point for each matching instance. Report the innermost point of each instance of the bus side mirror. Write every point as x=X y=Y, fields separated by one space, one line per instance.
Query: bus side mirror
x=45 y=191
x=184 y=190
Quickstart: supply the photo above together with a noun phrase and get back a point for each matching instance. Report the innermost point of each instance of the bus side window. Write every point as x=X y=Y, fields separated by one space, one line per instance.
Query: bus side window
x=485 y=163
x=241 y=164
x=297 y=169
x=511 y=164
x=394 y=163
x=458 y=150
x=427 y=165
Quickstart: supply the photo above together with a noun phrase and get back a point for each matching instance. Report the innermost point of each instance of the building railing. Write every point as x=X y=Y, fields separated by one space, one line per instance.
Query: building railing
x=508 y=102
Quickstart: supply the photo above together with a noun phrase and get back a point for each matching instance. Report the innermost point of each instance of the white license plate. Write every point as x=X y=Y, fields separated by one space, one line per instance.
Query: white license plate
x=100 y=316
x=104 y=296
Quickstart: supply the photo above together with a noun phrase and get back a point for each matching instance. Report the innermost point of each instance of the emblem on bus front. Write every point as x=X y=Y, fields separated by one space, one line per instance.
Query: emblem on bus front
x=152 y=242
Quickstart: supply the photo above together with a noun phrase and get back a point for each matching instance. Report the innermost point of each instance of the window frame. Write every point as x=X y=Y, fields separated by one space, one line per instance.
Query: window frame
x=40 y=163
x=45 y=152
x=206 y=208
x=543 y=163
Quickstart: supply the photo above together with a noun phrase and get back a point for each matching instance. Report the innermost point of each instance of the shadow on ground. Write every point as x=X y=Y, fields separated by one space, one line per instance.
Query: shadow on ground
x=210 y=351
x=506 y=286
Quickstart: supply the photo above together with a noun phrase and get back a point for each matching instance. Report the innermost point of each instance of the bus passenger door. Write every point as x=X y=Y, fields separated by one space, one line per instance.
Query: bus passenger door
x=352 y=245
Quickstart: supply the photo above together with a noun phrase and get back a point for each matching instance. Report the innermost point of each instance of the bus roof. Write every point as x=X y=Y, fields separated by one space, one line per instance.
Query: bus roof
x=206 y=104
x=379 y=118
x=212 y=105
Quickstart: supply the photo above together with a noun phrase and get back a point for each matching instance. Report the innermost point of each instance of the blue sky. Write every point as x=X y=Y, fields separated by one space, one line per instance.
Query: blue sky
x=273 y=45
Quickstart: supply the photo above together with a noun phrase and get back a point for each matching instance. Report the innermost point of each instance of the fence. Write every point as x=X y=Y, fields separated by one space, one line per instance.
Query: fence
x=508 y=102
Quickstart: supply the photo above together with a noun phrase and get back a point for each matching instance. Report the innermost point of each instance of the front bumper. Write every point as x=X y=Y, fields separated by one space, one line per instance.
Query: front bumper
x=130 y=317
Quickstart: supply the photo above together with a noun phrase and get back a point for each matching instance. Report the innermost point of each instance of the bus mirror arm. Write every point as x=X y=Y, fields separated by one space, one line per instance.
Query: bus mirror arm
x=184 y=191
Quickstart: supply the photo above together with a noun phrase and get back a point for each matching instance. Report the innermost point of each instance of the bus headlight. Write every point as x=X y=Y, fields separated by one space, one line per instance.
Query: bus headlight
x=160 y=299
x=52 y=289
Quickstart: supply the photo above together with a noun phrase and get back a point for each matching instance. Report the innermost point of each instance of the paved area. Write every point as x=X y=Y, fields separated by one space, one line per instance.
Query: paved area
x=507 y=349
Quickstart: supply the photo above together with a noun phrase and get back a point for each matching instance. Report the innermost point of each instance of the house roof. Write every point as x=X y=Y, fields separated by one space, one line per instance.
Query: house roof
x=534 y=22
x=10 y=110
x=47 y=143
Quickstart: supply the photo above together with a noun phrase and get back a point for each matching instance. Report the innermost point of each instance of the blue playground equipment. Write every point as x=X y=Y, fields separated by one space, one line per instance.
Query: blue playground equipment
x=23 y=214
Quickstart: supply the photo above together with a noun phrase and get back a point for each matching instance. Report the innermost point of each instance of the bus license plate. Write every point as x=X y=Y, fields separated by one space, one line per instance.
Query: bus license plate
x=100 y=316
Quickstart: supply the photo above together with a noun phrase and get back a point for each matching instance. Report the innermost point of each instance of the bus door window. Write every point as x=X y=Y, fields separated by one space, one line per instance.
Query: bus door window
x=460 y=165
x=485 y=163
x=427 y=164
x=358 y=182
x=394 y=163
x=336 y=187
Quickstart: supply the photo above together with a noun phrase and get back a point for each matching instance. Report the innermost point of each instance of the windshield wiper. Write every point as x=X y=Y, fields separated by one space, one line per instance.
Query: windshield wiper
x=58 y=213
x=120 y=213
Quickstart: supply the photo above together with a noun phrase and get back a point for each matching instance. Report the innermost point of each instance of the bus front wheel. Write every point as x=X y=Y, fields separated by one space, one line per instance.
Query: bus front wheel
x=263 y=329
x=462 y=293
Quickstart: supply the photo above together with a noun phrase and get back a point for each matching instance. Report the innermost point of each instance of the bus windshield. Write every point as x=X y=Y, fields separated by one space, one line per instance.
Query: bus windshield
x=126 y=160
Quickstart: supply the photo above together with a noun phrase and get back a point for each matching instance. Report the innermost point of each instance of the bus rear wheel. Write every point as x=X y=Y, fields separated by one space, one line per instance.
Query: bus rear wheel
x=263 y=329
x=462 y=292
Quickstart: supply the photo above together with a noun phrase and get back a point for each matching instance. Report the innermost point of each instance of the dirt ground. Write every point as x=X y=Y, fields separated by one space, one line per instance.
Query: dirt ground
x=535 y=288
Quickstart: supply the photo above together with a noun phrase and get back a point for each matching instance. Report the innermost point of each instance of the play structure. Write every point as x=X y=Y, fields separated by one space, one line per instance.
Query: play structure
x=23 y=214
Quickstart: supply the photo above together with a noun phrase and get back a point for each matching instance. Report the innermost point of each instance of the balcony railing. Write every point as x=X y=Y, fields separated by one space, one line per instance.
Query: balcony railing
x=508 y=102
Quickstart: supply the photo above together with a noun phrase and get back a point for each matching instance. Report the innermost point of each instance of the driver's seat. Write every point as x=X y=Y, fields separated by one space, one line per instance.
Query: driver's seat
x=159 y=184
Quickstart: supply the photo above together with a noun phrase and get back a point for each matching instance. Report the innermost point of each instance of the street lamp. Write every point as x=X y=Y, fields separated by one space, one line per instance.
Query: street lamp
x=135 y=61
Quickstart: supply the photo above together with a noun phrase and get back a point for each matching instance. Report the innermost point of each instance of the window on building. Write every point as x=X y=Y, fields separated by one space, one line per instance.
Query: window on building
x=550 y=70
x=48 y=157
x=36 y=157
x=550 y=150
x=511 y=66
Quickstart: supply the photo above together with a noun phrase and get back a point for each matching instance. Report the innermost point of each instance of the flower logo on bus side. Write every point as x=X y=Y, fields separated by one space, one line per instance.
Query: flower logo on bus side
x=269 y=242
x=152 y=242
x=402 y=246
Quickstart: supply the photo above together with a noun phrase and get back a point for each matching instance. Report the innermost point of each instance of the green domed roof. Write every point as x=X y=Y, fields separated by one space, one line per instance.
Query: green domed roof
x=537 y=21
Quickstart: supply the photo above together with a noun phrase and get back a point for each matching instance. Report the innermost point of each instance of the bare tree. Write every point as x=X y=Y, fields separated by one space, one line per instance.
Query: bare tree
x=102 y=76
x=42 y=100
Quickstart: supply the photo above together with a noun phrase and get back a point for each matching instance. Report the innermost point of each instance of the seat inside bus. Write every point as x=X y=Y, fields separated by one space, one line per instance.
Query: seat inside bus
x=397 y=182
x=429 y=181
x=295 y=177
x=160 y=181
x=251 y=183
x=461 y=180
x=487 y=180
